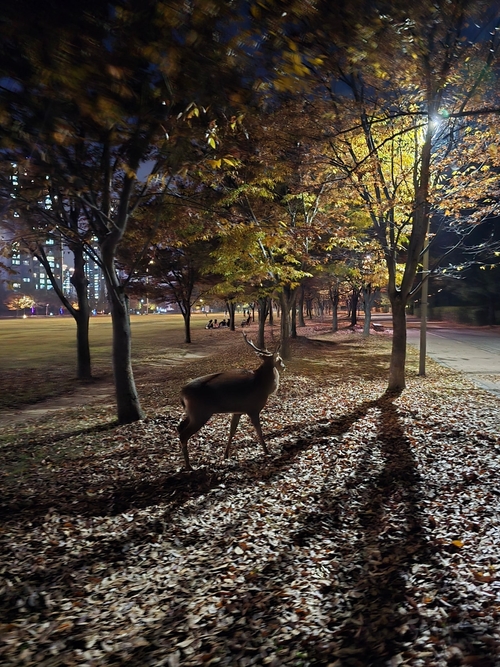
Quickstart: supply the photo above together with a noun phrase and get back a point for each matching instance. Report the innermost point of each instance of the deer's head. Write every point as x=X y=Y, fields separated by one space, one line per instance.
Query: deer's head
x=272 y=358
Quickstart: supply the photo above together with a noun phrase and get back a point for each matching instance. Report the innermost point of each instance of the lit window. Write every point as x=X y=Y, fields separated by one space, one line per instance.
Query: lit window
x=42 y=275
x=50 y=242
x=16 y=285
x=26 y=280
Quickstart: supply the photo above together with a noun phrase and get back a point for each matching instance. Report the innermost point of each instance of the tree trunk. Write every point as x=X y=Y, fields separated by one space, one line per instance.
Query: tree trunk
x=369 y=297
x=398 y=353
x=271 y=314
x=127 y=400
x=263 y=306
x=309 y=311
x=84 y=366
x=82 y=315
x=186 y=314
x=231 y=307
x=354 y=307
x=321 y=308
x=287 y=300
x=399 y=297
x=293 y=324
x=368 y=319
x=334 y=296
x=301 y=306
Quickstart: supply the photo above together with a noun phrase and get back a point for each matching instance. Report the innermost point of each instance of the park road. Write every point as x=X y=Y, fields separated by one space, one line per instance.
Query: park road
x=472 y=350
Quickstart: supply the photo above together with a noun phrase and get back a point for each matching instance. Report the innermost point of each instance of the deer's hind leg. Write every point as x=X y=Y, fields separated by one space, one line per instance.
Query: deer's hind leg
x=187 y=428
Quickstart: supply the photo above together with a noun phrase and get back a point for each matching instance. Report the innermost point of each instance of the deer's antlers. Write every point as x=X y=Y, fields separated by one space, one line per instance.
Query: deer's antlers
x=254 y=347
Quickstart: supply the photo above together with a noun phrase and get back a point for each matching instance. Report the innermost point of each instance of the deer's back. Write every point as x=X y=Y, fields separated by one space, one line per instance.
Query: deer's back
x=230 y=391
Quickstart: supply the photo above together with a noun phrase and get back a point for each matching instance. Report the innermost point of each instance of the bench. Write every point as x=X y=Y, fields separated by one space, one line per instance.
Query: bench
x=377 y=327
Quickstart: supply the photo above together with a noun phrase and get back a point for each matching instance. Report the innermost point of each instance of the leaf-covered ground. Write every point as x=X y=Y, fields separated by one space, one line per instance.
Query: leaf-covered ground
x=369 y=536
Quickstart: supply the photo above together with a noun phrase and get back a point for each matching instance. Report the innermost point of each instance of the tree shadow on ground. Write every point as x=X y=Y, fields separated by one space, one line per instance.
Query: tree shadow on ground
x=373 y=629
x=368 y=626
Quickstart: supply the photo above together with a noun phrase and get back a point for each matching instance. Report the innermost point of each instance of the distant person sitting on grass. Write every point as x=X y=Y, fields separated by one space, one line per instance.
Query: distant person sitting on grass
x=210 y=324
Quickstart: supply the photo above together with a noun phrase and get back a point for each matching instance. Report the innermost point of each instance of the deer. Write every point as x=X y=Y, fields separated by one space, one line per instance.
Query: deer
x=237 y=391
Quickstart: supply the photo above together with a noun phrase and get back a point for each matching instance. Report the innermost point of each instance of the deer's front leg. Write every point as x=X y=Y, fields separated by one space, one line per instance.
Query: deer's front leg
x=235 y=420
x=255 y=419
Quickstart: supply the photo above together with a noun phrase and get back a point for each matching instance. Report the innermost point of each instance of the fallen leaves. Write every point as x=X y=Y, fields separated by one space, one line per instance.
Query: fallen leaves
x=370 y=536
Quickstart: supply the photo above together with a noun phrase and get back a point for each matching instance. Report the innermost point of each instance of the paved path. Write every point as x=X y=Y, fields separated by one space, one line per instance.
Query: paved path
x=473 y=351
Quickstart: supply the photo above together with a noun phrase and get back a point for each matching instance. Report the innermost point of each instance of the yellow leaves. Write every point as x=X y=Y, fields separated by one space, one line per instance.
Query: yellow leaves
x=493 y=150
x=298 y=67
x=235 y=121
x=115 y=72
x=193 y=112
x=231 y=162
x=380 y=72
x=130 y=173
x=61 y=136
x=255 y=11
x=224 y=161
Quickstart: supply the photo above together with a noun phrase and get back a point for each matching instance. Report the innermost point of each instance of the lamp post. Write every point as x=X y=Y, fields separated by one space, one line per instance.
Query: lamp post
x=424 y=302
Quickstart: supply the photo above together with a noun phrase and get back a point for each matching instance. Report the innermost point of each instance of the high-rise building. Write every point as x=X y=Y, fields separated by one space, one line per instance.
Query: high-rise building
x=22 y=274
x=25 y=275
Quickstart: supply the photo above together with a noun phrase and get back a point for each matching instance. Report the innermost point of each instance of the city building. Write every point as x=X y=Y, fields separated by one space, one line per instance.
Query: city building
x=22 y=275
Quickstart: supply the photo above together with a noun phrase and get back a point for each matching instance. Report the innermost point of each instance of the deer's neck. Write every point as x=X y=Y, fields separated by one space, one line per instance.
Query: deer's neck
x=269 y=377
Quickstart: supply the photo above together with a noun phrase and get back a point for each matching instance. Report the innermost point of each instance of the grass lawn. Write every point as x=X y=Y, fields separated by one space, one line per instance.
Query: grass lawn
x=43 y=341
x=368 y=537
x=38 y=355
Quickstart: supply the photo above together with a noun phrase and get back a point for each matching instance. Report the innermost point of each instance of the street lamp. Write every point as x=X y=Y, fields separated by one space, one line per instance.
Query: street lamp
x=424 y=302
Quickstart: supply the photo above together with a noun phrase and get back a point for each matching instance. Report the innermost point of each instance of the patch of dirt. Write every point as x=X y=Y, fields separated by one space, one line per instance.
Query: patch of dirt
x=83 y=395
